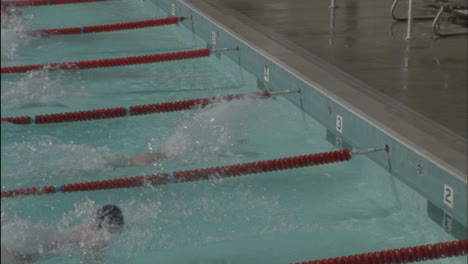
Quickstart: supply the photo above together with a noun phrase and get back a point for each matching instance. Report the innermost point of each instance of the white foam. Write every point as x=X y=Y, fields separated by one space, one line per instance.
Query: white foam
x=40 y=88
x=45 y=157
x=22 y=236
x=26 y=237
x=12 y=34
x=212 y=130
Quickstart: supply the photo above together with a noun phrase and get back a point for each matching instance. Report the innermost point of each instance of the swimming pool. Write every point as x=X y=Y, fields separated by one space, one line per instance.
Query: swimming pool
x=280 y=217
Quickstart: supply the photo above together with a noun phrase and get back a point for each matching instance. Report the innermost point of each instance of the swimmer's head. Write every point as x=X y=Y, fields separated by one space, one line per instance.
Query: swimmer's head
x=110 y=217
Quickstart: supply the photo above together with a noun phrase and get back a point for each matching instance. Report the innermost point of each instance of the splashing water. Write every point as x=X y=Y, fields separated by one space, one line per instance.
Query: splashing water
x=38 y=89
x=162 y=220
x=45 y=157
x=205 y=135
x=212 y=130
x=21 y=235
x=12 y=29
x=82 y=211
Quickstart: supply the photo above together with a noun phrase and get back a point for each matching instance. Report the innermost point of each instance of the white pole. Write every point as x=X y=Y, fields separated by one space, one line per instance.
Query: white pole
x=409 y=31
x=331 y=40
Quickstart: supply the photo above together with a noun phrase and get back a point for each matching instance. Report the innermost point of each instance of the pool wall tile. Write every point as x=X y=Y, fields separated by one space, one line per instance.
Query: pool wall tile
x=403 y=162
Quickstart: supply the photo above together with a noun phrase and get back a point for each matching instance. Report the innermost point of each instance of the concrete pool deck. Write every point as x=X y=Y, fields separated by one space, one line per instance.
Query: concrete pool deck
x=427 y=74
x=408 y=126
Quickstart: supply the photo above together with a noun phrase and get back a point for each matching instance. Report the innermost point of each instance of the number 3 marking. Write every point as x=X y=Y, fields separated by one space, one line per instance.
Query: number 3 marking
x=339 y=123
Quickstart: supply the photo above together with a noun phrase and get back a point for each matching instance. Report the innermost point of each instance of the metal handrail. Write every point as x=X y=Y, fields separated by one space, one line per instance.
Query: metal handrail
x=392 y=12
x=435 y=26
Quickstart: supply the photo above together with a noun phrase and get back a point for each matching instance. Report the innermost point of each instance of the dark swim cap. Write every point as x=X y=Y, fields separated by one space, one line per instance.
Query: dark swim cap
x=111 y=214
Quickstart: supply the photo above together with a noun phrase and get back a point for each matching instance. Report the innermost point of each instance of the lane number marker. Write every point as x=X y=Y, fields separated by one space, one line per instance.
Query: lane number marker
x=338 y=142
x=448 y=196
x=339 y=123
x=213 y=38
x=447 y=223
x=266 y=73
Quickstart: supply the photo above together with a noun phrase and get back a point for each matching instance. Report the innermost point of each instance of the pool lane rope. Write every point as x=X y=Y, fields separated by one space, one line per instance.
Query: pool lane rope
x=401 y=255
x=47 y=2
x=394 y=256
x=115 y=62
x=107 y=27
x=107 y=113
x=198 y=174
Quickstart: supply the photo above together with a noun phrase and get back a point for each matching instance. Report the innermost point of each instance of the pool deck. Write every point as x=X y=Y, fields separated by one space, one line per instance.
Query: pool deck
x=361 y=38
x=415 y=90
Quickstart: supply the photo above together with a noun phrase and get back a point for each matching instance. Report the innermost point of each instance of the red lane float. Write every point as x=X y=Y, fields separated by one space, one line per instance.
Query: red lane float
x=80 y=116
x=29 y=191
x=114 y=62
x=20 y=120
x=194 y=175
x=262 y=166
x=47 y=2
x=155 y=179
x=105 y=28
x=190 y=104
x=131 y=111
x=402 y=255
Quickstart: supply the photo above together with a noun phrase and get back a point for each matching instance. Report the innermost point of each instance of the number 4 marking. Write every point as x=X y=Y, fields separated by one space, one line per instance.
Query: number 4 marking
x=448 y=196
x=213 y=38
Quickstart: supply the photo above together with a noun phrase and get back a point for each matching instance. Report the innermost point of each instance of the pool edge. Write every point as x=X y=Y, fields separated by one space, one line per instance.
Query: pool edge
x=428 y=155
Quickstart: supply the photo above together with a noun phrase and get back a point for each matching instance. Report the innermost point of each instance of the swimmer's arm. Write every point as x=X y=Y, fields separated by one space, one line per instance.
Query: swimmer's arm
x=5 y=14
x=32 y=257
x=20 y=257
x=146 y=158
x=24 y=257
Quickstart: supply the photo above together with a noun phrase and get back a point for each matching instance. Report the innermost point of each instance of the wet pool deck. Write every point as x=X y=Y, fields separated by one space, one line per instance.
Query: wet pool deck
x=427 y=74
x=416 y=89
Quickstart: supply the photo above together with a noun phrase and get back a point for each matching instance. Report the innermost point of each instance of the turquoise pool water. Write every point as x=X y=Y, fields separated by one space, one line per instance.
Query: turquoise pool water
x=281 y=217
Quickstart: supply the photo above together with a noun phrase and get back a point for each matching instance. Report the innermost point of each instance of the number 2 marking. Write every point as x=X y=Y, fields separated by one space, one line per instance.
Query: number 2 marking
x=448 y=196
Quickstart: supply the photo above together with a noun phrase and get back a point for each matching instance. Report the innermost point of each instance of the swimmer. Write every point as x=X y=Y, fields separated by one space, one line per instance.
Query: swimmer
x=92 y=237
x=9 y=13
x=147 y=158
x=5 y=14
